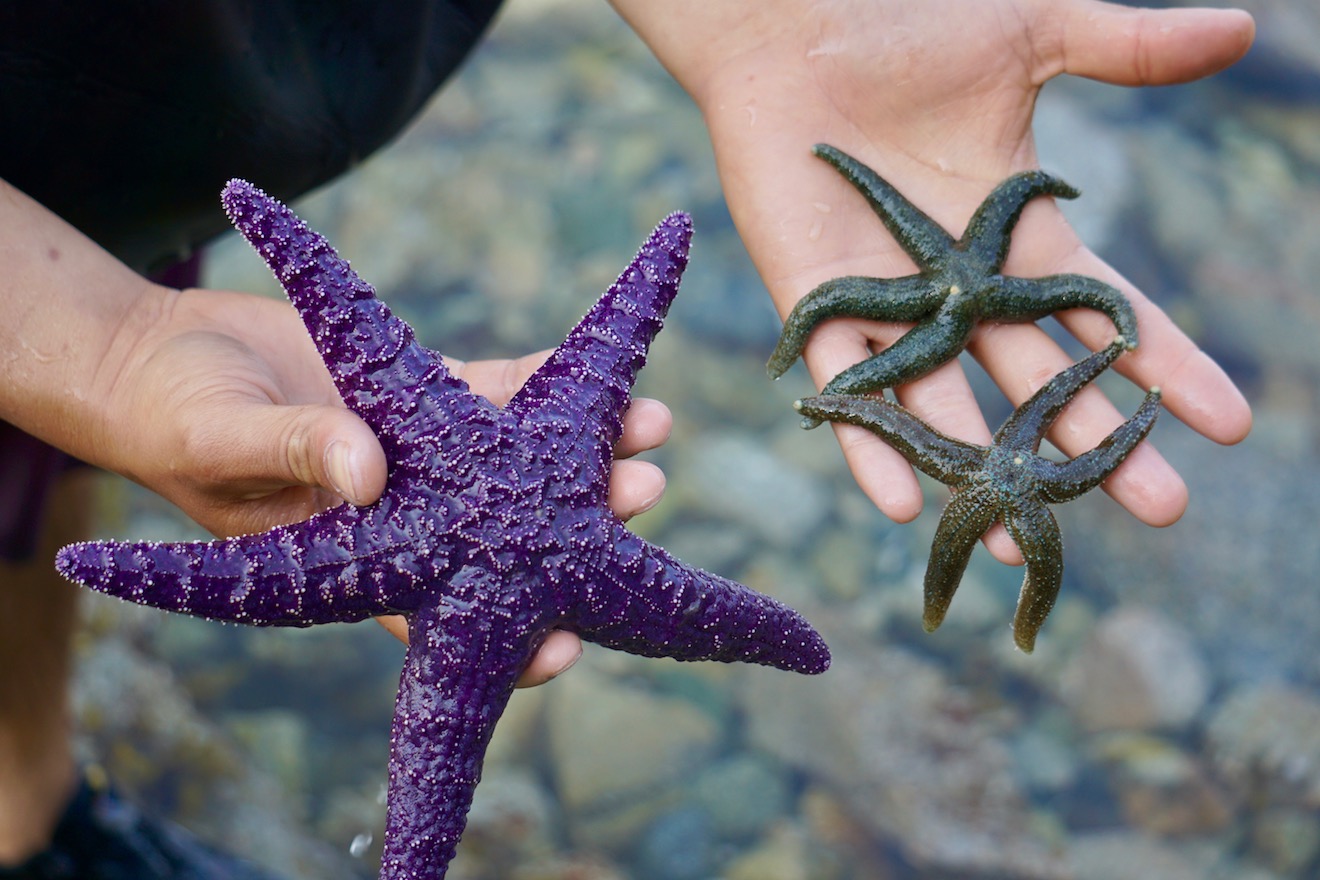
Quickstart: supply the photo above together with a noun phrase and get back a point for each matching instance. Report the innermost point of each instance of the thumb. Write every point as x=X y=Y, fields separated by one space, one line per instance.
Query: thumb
x=1146 y=47
x=319 y=446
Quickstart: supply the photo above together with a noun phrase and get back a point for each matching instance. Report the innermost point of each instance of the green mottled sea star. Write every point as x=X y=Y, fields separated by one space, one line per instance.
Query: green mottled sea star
x=958 y=283
x=1007 y=481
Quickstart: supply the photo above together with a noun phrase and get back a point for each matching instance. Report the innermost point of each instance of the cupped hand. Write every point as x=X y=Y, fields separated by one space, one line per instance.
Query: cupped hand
x=221 y=404
x=938 y=96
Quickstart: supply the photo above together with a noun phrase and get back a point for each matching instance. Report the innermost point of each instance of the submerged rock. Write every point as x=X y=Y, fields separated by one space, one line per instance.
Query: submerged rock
x=1110 y=855
x=743 y=795
x=619 y=755
x=905 y=749
x=1138 y=670
x=136 y=719
x=1162 y=789
x=1263 y=739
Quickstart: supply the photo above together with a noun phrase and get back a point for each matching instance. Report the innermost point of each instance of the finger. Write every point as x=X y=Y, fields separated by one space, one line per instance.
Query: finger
x=882 y=474
x=646 y=425
x=1195 y=389
x=635 y=487
x=313 y=445
x=395 y=625
x=1001 y=545
x=1142 y=47
x=497 y=380
x=560 y=650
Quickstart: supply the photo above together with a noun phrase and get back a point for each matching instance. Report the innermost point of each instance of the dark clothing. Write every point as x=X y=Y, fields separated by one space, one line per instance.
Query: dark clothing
x=102 y=837
x=127 y=118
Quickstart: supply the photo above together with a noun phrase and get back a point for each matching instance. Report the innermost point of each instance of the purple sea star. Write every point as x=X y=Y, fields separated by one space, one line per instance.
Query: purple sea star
x=493 y=527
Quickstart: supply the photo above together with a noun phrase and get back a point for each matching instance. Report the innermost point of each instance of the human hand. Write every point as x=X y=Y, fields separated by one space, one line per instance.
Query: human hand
x=222 y=405
x=938 y=97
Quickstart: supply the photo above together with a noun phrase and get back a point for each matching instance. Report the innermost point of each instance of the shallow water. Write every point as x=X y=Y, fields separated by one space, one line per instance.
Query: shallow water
x=1165 y=725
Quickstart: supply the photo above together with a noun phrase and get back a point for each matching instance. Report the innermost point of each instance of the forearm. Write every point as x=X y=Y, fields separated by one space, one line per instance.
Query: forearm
x=70 y=312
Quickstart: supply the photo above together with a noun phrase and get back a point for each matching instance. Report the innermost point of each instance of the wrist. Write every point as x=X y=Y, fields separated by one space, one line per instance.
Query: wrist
x=71 y=311
x=103 y=411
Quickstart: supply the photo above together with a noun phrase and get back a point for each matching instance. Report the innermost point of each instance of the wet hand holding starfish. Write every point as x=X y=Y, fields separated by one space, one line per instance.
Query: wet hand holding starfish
x=958 y=284
x=939 y=97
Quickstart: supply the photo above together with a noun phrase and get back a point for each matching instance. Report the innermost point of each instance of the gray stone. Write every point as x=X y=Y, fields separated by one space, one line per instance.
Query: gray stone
x=1263 y=739
x=619 y=755
x=742 y=795
x=678 y=845
x=570 y=867
x=735 y=478
x=1138 y=670
x=787 y=853
x=1162 y=788
x=904 y=749
x=1121 y=855
x=512 y=821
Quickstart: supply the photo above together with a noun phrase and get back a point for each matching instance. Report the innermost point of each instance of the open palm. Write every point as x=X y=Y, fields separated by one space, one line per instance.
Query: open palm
x=937 y=97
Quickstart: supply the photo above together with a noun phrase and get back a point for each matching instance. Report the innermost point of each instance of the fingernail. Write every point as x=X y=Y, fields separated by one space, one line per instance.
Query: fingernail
x=573 y=659
x=649 y=503
x=339 y=468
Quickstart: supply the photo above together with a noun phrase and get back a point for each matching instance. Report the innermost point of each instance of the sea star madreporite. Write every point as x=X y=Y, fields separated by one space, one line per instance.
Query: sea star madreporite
x=493 y=527
x=957 y=285
x=1007 y=481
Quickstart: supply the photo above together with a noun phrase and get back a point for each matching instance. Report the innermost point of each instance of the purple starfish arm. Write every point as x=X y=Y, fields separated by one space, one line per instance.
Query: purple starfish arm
x=452 y=691
x=297 y=575
x=377 y=365
x=464 y=660
x=601 y=356
x=652 y=604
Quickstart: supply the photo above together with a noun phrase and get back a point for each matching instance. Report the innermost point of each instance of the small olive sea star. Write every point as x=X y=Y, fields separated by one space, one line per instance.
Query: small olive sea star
x=958 y=283
x=1007 y=481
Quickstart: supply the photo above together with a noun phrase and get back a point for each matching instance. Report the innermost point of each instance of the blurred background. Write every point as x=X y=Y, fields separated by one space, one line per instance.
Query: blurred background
x=1166 y=726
